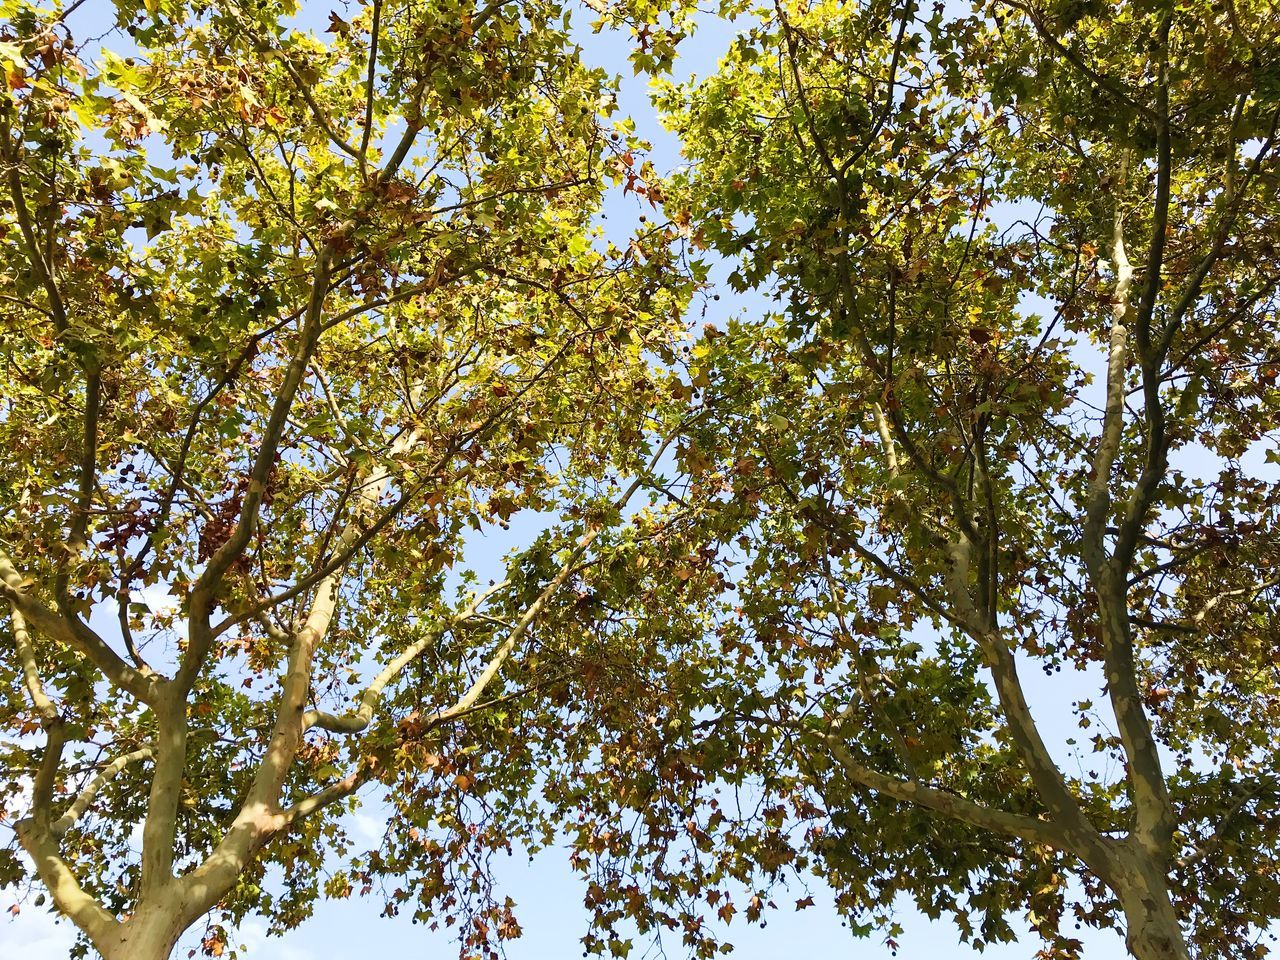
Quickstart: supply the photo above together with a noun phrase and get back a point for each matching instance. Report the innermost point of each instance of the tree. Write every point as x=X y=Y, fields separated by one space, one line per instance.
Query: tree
x=289 y=321
x=1017 y=411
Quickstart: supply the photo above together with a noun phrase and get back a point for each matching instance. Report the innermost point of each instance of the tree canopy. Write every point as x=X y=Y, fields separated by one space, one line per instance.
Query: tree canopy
x=1015 y=412
x=289 y=320
x=293 y=318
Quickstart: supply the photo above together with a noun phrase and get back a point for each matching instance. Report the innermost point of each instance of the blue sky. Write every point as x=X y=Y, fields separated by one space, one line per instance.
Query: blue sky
x=548 y=895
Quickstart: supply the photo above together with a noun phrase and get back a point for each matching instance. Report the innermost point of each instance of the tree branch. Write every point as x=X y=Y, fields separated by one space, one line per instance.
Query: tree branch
x=44 y=707
x=50 y=720
x=950 y=805
x=83 y=640
x=1154 y=818
x=1045 y=774
x=78 y=906
x=1098 y=498
x=1152 y=360
x=356 y=720
x=373 y=67
x=1073 y=58
x=159 y=828
x=202 y=592
x=41 y=267
x=886 y=439
x=354 y=780
x=82 y=803
x=321 y=118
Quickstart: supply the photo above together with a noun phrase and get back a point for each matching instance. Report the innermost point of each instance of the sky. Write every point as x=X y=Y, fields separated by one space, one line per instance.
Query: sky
x=547 y=893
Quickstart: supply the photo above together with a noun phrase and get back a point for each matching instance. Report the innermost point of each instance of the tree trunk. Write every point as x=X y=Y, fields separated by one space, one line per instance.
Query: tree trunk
x=150 y=934
x=1153 y=931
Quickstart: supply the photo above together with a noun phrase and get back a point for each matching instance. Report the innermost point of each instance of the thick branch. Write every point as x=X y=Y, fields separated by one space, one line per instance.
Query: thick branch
x=1098 y=502
x=369 y=89
x=79 y=638
x=50 y=719
x=1154 y=819
x=1044 y=772
x=1151 y=359
x=159 y=829
x=35 y=256
x=206 y=585
x=35 y=833
x=30 y=671
x=71 y=899
x=260 y=816
x=886 y=439
x=948 y=804
x=94 y=787
x=356 y=720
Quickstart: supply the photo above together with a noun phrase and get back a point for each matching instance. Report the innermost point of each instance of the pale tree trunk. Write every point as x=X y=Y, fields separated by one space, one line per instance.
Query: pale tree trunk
x=1151 y=922
x=142 y=938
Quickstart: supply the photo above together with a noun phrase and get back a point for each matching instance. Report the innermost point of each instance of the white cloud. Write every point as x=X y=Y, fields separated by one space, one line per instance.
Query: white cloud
x=367 y=829
x=34 y=934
